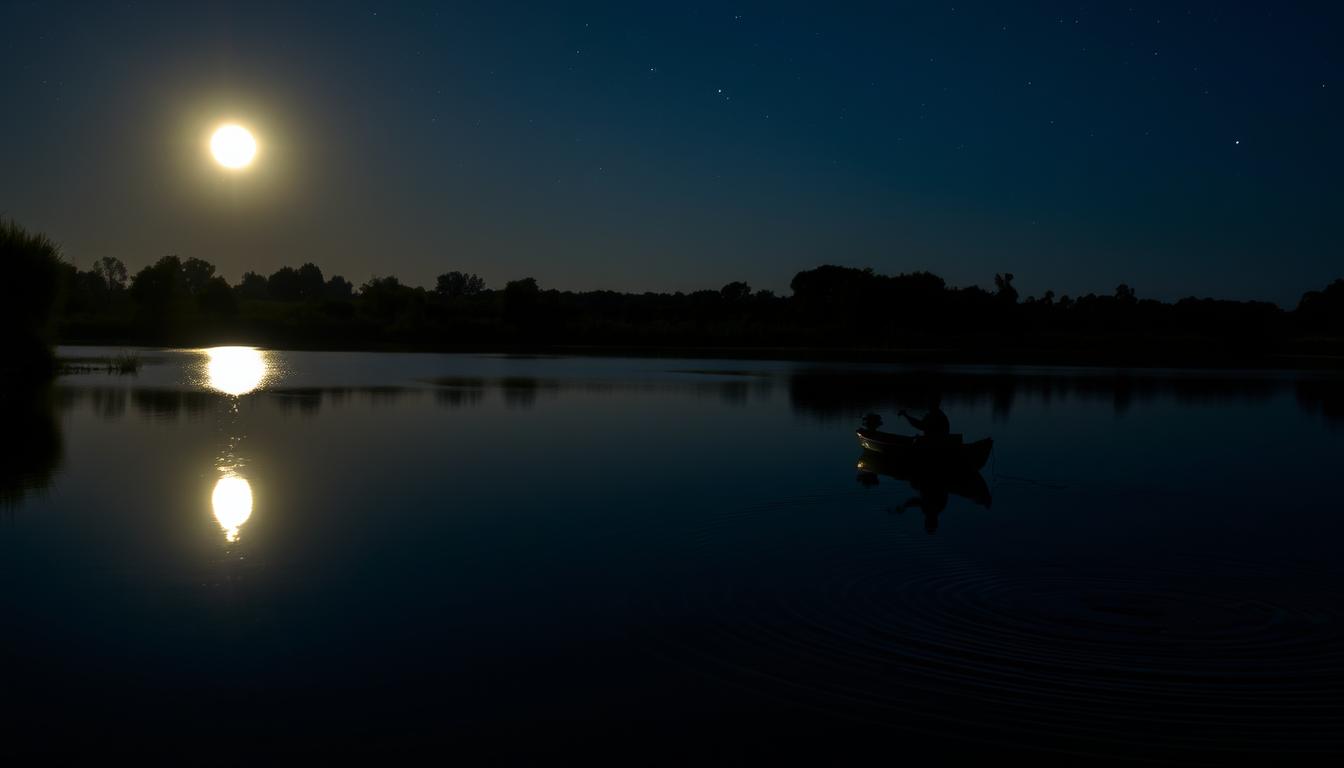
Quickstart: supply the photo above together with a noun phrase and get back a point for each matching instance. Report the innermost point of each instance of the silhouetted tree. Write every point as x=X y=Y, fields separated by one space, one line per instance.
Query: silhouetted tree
x=830 y=285
x=385 y=297
x=338 y=289
x=311 y=284
x=112 y=272
x=453 y=284
x=522 y=298
x=284 y=285
x=31 y=265
x=83 y=292
x=253 y=286
x=831 y=306
x=735 y=291
x=217 y=298
x=1322 y=312
x=160 y=292
x=196 y=275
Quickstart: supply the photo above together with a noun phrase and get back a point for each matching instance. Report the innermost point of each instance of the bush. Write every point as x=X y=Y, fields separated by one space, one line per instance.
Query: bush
x=31 y=290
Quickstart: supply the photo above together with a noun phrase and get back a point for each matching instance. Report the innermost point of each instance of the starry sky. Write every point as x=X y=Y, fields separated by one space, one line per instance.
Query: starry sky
x=1184 y=148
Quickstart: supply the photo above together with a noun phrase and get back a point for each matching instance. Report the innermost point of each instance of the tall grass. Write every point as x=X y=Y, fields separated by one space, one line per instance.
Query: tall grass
x=31 y=264
x=125 y=362
x=122 y=363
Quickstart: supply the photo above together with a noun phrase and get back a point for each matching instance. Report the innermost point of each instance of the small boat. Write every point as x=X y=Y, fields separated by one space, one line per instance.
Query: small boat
x=967 y=483
x=949 y=453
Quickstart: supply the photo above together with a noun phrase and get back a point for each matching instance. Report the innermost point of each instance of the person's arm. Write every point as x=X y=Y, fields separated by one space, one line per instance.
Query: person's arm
x=916 y=423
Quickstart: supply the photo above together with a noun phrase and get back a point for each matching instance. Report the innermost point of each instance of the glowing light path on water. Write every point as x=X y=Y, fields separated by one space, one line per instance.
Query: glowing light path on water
x=232 y=501
x=236 y=370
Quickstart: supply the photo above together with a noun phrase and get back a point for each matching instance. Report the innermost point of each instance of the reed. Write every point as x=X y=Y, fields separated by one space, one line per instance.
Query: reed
x=124 y=363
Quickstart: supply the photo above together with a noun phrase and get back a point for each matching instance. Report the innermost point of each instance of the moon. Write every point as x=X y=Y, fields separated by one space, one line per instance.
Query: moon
x=233 y=146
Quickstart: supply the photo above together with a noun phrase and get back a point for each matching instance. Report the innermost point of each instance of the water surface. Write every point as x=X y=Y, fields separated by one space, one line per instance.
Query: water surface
x=561 y=554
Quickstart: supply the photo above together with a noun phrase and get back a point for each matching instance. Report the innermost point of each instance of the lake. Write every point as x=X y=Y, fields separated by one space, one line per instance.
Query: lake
x=663 y=557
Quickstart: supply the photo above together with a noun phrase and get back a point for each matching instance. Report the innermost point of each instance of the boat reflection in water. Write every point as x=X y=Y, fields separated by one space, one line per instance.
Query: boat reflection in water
x=232 y=503
x=935 y=469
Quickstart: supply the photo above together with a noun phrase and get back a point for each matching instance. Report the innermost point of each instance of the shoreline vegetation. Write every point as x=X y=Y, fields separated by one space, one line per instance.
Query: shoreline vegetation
x=122 y=363
x=833 y=313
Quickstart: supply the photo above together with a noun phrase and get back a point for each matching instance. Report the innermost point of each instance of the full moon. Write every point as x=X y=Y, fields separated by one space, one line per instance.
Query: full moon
x=233 y=146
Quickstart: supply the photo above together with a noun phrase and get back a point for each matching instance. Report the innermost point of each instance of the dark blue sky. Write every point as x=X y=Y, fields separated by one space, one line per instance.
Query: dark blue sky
x=1184 y=148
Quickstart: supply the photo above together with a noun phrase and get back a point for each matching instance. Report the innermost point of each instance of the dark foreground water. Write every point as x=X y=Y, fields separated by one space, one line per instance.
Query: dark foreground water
x=232 y=554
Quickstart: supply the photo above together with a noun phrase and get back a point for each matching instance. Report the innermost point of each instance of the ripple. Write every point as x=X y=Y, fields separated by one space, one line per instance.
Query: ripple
x=877 y=623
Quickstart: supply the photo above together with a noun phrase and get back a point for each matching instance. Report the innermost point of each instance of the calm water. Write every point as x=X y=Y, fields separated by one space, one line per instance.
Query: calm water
x=540 y=555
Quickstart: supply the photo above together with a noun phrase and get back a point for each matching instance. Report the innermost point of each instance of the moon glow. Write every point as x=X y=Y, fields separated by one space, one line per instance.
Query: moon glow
x=233 y=146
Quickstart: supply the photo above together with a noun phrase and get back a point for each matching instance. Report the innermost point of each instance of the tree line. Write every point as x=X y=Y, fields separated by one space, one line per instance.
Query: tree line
x=830 y=308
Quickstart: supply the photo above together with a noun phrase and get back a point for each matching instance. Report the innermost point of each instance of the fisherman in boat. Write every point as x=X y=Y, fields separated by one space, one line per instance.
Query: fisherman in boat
x=934 y=424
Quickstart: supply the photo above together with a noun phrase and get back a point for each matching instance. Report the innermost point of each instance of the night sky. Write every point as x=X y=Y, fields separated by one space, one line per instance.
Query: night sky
x=1185 y=149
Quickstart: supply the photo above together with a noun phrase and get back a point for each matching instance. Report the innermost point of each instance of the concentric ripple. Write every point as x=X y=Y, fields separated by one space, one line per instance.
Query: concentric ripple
x=1190 y=655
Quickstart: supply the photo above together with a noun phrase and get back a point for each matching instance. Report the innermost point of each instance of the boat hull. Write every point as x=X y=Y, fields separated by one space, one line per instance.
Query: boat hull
x=966 y=483
x=950 y=453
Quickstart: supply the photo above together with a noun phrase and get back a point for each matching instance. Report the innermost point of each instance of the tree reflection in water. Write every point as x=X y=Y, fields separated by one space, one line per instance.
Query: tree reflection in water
x=32 y=445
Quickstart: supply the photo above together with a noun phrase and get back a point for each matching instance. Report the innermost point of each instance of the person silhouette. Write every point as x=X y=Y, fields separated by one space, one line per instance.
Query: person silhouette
x=935 y=423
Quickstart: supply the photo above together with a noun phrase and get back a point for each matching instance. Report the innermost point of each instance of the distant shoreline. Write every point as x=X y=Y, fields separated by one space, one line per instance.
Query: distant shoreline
x=1173 y=358
x=833 y=313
